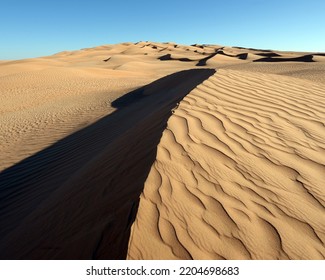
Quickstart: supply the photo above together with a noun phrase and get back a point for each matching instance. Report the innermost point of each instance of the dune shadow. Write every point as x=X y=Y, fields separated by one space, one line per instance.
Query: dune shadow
x=168 y=57
x=304 y=58
x=242 y=56
x=319 y=54
x=252 y=49
x=203 y=61
x=78 y=198
x=268 y=54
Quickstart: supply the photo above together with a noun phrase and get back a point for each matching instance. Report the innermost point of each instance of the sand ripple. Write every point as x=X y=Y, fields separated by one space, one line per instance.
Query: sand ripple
x=239 y=174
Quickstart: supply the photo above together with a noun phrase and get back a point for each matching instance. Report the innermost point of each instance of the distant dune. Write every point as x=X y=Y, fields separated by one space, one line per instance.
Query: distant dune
x=163 y=151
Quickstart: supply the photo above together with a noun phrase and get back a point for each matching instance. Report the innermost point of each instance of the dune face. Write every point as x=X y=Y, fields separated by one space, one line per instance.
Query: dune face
x=163 y=151
x=239 y=174
x=94 y=202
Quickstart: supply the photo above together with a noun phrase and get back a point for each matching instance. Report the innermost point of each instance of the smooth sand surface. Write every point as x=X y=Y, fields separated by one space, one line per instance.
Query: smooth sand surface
x=224 y=146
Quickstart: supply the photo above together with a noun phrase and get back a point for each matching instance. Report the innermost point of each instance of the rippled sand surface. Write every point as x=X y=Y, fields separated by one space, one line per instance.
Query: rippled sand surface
x=163 y=151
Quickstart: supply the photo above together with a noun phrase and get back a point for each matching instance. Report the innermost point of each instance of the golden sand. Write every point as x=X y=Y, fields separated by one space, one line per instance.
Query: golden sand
x=224 y=146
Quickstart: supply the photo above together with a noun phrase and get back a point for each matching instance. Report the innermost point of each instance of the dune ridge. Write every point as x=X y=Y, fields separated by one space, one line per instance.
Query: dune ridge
x=102 y=169
x=224 y=147
x=239 y=174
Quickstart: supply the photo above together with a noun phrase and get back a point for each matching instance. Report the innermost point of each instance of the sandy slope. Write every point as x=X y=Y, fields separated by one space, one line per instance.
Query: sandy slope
x=38 y=107
x=238 y=173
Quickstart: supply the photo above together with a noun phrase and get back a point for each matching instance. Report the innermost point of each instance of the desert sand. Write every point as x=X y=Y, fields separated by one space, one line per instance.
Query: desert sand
x=163 y=151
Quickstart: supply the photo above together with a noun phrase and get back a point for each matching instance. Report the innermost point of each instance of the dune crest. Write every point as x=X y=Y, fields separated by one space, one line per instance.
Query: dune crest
x=239 y=174
x=226 y=145
x=102 y=168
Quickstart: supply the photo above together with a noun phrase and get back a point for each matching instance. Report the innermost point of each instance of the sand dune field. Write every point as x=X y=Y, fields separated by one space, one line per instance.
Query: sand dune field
x=163 y=151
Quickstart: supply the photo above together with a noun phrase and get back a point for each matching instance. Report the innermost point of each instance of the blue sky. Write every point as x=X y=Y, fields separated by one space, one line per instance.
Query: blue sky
x=31 y=28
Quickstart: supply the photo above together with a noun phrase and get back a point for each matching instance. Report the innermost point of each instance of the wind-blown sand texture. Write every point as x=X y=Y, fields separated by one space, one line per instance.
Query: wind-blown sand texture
x=224 y=146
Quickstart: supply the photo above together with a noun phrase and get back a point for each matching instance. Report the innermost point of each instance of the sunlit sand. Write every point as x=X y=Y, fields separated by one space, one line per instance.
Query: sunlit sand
x=163 y=151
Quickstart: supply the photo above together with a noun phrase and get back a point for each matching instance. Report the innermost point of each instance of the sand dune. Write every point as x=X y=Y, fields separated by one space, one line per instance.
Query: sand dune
x=224 y=146
x=239 y=174
x=95 y=203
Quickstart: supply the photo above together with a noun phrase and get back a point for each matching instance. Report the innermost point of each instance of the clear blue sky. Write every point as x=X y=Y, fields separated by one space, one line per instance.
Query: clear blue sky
x=30 y=28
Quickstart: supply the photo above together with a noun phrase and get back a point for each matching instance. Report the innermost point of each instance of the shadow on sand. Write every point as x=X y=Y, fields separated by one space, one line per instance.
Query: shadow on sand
x=78 y=198
x=304 y=58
